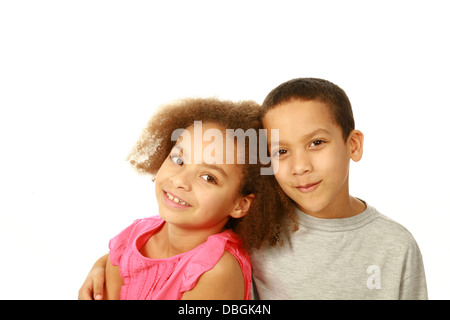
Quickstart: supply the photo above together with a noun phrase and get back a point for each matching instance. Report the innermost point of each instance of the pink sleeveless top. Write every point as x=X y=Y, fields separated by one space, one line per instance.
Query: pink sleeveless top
x=169 y=278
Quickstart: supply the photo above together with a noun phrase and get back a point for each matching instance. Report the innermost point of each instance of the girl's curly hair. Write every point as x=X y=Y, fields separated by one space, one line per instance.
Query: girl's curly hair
x=271 y=217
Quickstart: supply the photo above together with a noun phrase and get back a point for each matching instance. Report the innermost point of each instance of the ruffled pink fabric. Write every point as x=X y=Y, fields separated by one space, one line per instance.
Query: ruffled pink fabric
x=168 y=279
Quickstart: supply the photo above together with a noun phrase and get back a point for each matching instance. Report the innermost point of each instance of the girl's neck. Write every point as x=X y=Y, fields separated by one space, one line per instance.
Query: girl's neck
x=172 y=240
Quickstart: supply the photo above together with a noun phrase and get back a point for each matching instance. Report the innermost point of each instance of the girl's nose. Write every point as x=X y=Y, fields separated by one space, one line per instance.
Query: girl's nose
x=182 y=179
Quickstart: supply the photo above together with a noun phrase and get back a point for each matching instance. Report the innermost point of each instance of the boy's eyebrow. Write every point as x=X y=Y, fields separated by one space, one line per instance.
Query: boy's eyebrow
x=315 y=132
x=306 y=136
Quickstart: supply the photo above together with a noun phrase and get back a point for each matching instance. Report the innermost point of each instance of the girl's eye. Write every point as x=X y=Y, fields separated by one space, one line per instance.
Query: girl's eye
x=176 y=160
x=209 y=178
x=316 y=143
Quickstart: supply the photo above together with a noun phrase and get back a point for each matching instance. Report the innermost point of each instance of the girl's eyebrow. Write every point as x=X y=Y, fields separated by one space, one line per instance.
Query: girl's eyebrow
x=184 y=152
x=217 y=168
x=208 y=165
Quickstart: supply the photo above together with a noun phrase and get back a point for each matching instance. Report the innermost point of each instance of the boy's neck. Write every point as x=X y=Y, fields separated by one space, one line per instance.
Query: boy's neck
x=342 y=208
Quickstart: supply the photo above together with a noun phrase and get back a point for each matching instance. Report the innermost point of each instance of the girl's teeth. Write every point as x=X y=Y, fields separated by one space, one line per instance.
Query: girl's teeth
x=174 y=199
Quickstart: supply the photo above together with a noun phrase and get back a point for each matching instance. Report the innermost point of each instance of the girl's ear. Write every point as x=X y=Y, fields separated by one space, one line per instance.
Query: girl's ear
x=242 y=206
x=355 y=143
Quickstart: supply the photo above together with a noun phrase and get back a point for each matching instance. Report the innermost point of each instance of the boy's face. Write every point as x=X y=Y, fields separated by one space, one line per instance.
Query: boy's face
x=312 y=156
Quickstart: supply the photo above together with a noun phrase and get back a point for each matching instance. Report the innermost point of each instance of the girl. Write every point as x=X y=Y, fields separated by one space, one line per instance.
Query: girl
x=210 y=213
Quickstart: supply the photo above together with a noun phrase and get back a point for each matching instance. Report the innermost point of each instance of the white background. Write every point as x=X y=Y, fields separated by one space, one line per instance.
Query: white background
x=80 y=79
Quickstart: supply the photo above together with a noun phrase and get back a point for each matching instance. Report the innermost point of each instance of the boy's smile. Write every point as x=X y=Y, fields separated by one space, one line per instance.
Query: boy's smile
x=308 y=187
x=312 y=157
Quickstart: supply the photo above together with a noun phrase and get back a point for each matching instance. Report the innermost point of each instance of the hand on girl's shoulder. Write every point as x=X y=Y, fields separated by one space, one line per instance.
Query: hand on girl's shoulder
x=224 y=281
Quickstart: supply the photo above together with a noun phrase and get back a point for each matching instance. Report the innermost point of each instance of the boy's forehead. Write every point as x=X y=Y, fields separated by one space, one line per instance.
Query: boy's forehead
x=296 y=110
x=299 y=117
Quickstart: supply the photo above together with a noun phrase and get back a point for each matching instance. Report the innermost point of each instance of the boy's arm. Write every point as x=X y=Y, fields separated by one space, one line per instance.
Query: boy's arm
x=113 y=282
x=92 y=287
x=224 y=281
x=414 y=288
x=414 y=285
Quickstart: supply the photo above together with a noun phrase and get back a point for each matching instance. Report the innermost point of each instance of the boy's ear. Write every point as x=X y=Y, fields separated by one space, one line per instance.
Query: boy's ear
x=355 y=143
x=242 y=206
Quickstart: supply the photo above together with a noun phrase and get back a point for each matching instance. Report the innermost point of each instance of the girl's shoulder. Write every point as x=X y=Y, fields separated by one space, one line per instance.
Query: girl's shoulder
x=127 y=236
x=225 y=280
x=217 y=244
x=230 y=242
x=221 y=261
x=223 y=256
x=145 y=224
x=154 y=221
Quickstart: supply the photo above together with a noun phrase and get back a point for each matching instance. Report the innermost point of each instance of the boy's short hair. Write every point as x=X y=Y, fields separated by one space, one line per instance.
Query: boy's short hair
x=307 y=89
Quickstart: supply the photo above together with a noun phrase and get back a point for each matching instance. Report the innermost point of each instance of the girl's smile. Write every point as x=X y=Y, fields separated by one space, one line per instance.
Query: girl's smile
x=175 y=201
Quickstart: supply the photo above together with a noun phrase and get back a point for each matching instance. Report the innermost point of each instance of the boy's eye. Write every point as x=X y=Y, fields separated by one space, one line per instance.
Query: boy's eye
x=279 y=153
x=316 y=143
x=176 y=160
x=209 y=178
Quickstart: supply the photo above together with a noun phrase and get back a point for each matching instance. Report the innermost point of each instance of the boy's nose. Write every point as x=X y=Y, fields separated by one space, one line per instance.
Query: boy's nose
x=301 y=165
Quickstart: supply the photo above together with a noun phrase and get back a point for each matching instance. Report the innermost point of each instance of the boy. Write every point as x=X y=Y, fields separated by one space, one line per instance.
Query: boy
x=344 y=248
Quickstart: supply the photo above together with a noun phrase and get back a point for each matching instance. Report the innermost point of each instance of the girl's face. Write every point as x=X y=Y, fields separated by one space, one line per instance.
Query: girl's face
x=199 y=195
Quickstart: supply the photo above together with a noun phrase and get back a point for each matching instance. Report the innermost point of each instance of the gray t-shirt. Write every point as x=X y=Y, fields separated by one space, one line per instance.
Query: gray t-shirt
x=367 y=256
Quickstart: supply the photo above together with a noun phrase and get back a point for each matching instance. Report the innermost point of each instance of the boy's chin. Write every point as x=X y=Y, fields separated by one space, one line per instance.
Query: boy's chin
x=314 y=210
